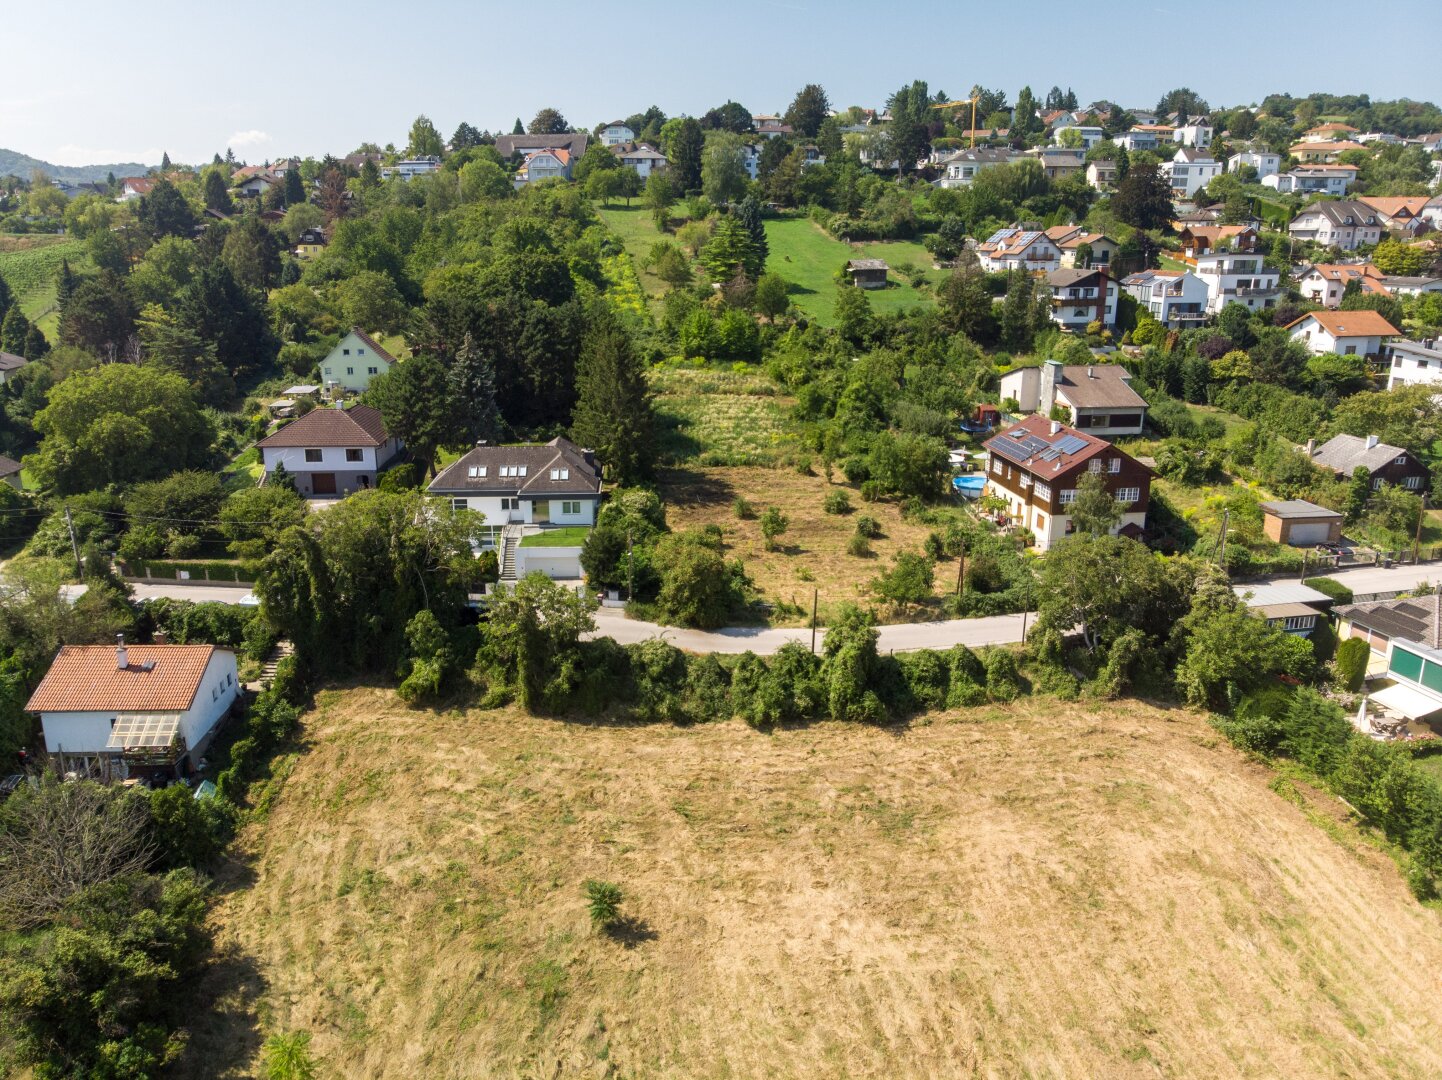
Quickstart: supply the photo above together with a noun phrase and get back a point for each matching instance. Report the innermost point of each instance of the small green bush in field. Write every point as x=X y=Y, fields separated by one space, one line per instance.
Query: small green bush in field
x=868 y=526
x=603 y=901
x=742 y=508
x=837 y=502
x=858 y=545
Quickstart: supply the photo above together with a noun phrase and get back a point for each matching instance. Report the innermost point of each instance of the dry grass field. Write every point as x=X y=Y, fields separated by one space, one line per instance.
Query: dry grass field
x=1044 y=890
x=812 y=551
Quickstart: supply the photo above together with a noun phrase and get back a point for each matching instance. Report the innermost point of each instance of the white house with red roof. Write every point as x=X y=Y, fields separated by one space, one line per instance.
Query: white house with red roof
x=356 y=359
x=332 y=451
x=1343 y=333
x=137 y=710
x=1019 y=249
x=551 y=163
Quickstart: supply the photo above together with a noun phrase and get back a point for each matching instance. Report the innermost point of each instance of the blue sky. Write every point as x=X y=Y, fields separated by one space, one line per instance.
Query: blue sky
x=86 y=82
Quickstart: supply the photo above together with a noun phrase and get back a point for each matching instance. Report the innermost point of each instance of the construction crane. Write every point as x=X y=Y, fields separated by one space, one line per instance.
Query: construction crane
x=964 y=101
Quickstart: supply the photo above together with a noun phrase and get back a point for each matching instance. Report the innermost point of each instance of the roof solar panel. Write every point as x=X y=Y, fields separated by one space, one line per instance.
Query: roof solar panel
x=1070 y=444
x=1411 y=610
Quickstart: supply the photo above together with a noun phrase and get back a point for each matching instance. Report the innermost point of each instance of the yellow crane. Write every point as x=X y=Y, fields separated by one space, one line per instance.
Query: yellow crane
x=964 y=101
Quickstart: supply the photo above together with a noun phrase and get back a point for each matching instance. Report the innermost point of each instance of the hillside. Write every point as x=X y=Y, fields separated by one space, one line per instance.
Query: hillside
x=14 y=163
x=1043 y=890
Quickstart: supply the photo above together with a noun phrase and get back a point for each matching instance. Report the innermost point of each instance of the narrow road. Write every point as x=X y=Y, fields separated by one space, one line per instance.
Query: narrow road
x=1365 y=580
x=223 y=594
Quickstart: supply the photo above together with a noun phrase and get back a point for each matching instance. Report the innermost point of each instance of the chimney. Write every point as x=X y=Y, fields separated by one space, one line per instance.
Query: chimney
x=1056 y=427
x=121 y=660
x=1372 y=440
x=1091 y=372
x=1051 y=374
x=340 y=404
x=160 y=637
x=1311 y=447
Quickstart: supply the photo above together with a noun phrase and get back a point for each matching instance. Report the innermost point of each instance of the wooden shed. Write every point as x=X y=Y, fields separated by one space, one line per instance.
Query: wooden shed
x=868 y=273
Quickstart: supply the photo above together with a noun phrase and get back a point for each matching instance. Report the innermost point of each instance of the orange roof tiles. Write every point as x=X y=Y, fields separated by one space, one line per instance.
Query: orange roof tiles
x=85 y=678
x=1350 y=323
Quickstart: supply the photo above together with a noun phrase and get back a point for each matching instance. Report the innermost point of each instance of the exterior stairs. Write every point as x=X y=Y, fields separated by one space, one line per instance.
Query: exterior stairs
x=510 y=541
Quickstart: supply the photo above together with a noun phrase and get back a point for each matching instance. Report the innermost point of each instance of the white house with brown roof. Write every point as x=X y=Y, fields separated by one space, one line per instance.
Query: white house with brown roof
x=1343 y=223
x=1081 y=297
x=641 y=157
x=1098 y=397
x=1172 y=297
x=332 y=451
x=548 y=164
x=1343 y=333
x=1070 y=240
x=1238 y=278
x=356 y=359
x=1401 y=214
x=616 y=133
x=137 y=710
x=1313 y=180
x=1326 y=283
x=1019 y=249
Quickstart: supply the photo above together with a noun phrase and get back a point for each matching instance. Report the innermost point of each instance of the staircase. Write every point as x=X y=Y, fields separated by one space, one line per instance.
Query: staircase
x=510 y=541
x=283 y=648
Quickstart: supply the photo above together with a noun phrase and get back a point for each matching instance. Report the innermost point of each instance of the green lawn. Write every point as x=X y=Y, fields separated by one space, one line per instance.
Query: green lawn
x=719 y=416
x=1168 y=263
x=808 y=258
x=571 y=536
x=637 y=232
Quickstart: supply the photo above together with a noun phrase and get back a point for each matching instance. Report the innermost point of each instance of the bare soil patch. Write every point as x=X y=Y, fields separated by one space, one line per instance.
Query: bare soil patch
x=1044 y=890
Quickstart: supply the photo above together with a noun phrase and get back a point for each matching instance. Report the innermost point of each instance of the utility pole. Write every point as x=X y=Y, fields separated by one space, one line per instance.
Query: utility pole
x=74 y=546
x=630 y=568
x=1417 y=538
x=813 y=621
x=1222 y=548
x=961 y=571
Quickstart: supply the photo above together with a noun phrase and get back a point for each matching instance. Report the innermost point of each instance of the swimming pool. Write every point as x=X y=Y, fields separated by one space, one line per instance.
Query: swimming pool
x=969 y=486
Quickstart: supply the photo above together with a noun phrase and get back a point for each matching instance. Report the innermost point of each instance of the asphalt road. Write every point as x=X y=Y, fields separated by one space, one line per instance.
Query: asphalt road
x=225 y=594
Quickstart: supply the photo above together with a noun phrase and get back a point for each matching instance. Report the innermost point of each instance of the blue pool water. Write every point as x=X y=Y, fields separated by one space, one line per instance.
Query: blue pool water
x=969 y=486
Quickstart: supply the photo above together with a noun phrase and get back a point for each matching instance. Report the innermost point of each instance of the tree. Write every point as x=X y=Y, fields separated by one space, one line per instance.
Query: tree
x=1024 y=120
x=216 y=192
x=1230 y=651
x=968 y=305
x=1359 y=491
x=465 y=137
x=910 y=580
x=729 y=251
x=603 y=902
x=1094 y=511
x=1393 y=257
x=854 y=319
x=1143 y=198
x=597 y=158
x=254 y=518
x=729 y=117
x=685 y=152
x=773 y=524
x=287 y=1056
x=252 y=252
x=118 y=424
x=613 y=412
x=424 y=139
x=1101 y=585
x=1017 y=328
x=723 y=169
x=660 y=196
x=13 y=329
x=294 y=187
x=100 y=316
x=772 y=299
x=371 y=300
x=534 y=626
x=414 y=399
x=1182 y=100
x=808 y=110
x=164 y=212
x=548 y=122
x=518 y=128
x=219 y=309
x=696 y=587
x=908 y=138
x=171 y=346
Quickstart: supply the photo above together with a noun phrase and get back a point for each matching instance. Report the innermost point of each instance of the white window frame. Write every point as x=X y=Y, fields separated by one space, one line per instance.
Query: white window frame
x=571 y=508
x=460 y=504
x=1114 y=465
x=317 y=451
x=1095 y=464
x=1068 y=496
x=1128 y=495
x=1043 y=491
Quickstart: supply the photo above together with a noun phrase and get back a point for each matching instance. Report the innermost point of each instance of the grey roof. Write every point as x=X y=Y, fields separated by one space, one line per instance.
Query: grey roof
x=574 y=141
x=9 y=361
x=1338 y=210
x=867 y=264
x=1411 y=618
x=1404 y=281
x=1298 y=508
x=1071 y=276
x=983 y=154
x=1104 y=388
x=8 y=466
x=1191 y=153
x=538 y=461
x=1343 y=453
x=1284 y=592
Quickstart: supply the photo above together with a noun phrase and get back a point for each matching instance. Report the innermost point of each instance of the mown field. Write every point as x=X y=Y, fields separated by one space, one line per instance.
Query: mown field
x=1037 y=890
x=717 y=416
x=29 y=264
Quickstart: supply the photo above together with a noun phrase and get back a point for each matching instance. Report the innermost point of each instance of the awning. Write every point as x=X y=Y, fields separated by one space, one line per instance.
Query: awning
x=149 y=731
x=1411 y=702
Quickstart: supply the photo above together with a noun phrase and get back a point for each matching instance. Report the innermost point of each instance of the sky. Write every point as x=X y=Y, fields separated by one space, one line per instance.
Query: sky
x=87 y=82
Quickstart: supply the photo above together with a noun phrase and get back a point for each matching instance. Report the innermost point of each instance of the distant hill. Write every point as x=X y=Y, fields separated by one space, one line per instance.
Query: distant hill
x=12 y=162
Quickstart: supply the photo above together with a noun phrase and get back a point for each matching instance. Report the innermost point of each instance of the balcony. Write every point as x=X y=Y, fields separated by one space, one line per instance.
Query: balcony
x=1253 y=290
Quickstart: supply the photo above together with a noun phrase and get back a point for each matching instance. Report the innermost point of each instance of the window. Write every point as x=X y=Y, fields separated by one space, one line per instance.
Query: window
x=229 y=678
x=326 y=370
x=1095 y=464
x=214 y=692
x=1128 y=495
x=360 y=352
x=560 y=474
x=353 y=454
x=996 y=466
x=373 y=371
x=1400 y=459
x=345 y=352
x=1376 y=482
x=510 y=504
x=1043 y=491
x=460 y=504
x=1114 y=465
x=571 y=508
x=1301 y=622
x=1068 y=496
x=1412 y=483
x=312 y=454
x=350 y=371
x=523 y=470
x=1350 y=350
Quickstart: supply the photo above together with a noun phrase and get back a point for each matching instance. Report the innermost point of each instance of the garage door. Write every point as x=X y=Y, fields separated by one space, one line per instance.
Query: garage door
x=1309 y=532
x=565 y=566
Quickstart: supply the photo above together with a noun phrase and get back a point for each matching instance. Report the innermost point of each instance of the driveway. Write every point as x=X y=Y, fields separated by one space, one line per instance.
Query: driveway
x=1365 y=580
x=222 y=594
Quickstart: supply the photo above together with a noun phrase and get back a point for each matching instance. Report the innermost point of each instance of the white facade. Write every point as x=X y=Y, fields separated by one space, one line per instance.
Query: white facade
x=555 y=562
x=616 y=134
x=1138 y=140
x=1238 y=278
x=644 y=160
x=88 y=733
x=1264 y=161
x=1198 y=135
x=1305 y=181
x=1074 y=306
x=1189 y=174
x=352 y=364
x=1051 y=529
x=1090 y=136
x=545 y=165
x=412 y=167
x=330 y=470
x=1173 y=301
x=1347 y=228
x=1320 y=340
x=1414 y=362
x=527 y=510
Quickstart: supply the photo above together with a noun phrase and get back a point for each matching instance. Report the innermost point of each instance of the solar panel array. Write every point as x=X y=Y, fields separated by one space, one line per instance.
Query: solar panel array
x=1408 y=621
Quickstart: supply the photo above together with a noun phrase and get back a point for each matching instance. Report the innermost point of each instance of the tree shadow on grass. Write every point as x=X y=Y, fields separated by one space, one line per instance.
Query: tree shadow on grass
x=694 y=487
x=225 y=1029
x=629 y=932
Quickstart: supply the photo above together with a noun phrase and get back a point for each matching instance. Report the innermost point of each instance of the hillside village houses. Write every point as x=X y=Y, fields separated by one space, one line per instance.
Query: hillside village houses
x=646 y=159
x=331 y=451
x=1344 y=333
x=1102 y=175
x=1016 y=248
x=1326 y=283
x=1190 y=170
x=1036 y=465
x=961 y=167
x=1175 y=298
x=410 y=168
x=1343 y=454
x=1410 y=363
x=1238 y=278
x=356 y=359
x=1402 y=215
x=616 y=133
x=1314 y=180
x=1200 y=239
x=1074 y=242
x=1098 y=397
x=549 y=164
x=1344 y=223
x=1264 y=162
x=1082 y=296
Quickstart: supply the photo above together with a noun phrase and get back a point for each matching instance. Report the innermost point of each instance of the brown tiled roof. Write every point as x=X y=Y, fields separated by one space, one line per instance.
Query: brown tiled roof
x=1030 y=444
x=360 y=425
x=1393 y=206
x=84 y=678
x=1350 y=323
x=1345 y=271
x=1105 y=388
x=583 y=478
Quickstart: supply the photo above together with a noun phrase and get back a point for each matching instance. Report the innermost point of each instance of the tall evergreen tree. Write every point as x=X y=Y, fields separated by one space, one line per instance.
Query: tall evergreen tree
x=1143 y=198
x=519 y=129
x=217 y=196
x=1024 y=121
x=6 y=297
x=13 y=329
x=36 y=344
x=164 y=212
x=472 y=384
x=1016 y=312
x=294 y=187
x=908 y=137
x=809 y=108
x=164 y=162
x=613 y=411
x=749 y=214
x=686 y=154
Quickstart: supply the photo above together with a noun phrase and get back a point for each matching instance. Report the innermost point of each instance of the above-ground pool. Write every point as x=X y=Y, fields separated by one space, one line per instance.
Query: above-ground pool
x=969 y=486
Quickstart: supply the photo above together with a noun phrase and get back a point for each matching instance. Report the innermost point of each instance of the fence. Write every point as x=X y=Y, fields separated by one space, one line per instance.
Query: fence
x=168 y=572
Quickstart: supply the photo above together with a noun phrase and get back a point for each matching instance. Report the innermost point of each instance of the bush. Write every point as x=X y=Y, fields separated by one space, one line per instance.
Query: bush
x=868 y=526
x=403 y=477
x=872 y=491
x=859 y=546
x=1352 y=657
x=1003 y=681
x=1339 y=593
x=855 y=470
x=742 y=508
x=603 y=901
x=773 y=524
x=837 y=502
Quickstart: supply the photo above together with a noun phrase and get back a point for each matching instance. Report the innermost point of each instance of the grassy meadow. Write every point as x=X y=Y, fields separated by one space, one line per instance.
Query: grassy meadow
x=29 y=264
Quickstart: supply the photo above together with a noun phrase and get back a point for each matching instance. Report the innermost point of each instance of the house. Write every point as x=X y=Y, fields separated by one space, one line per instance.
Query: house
x=524 y=490
x=547 y=164
x=1386 y=138
x=133 y=711
x=1288 y=605
x=1147 y=137
x=518 y=146
x=1090 y=136
x=1402 y=214
x=1406 y=648
x=1405 y=618
x=1238 y=278
x=1342 y=454
x=1071 y=239
x=1016 y=248
x=1264 y=161
x=410 y=168
x=10 y=472
x=641 y=157
x=617 y=133
x=1413 y=362
x=1035 y=467
x=1344 y=223
x=331 y=451
x=1099 y=397
x=1190 y=170
x=1420 y=285
x=1322 y=153
x=1299 y=523
x=1102 y=175
x=1314 y=180
x=310 y=243
x=134 y=187
x=960 y=168
x=250 y=184
x=1343 y=333
x=1432 y=211
x=1059 y=162
x=772 y=128
x=1175 y=298
x=867 y=273
x=1325 y=133
x=1197 y=134
x=1431 y=143
x=1200 y=239
x=10 y=363
x=356 y=359
x=1326 y=283
x=1080 y=297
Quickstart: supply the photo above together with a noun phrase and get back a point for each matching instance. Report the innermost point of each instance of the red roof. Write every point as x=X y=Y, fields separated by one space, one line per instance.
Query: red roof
x=1344 y=324
x=1035 y=447
x=360 y=425
x=156 y=678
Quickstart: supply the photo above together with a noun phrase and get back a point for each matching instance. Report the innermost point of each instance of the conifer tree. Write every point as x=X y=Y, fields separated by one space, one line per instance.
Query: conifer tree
x=613 y=412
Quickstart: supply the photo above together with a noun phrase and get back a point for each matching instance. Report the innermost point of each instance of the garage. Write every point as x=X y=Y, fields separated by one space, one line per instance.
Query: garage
x=551 y=564
x=1300 y=523
x=1304 y=533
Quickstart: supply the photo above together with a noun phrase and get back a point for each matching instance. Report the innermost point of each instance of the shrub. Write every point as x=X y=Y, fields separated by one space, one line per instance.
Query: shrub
x=1339 y=593
x=803 y=464
x=934 y=546
x=1352 y=657
x=837 y=502
x=859 y=546
x=855 y=470
x=1003 y=682
x=287 y=1056
x=603 y=901
x=403 y=477
x=773 y=524
x=871 y=490
x=742 y=508
x=868 y=526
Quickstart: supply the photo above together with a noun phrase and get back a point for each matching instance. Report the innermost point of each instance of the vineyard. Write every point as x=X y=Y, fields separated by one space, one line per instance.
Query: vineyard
x=29 y=264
